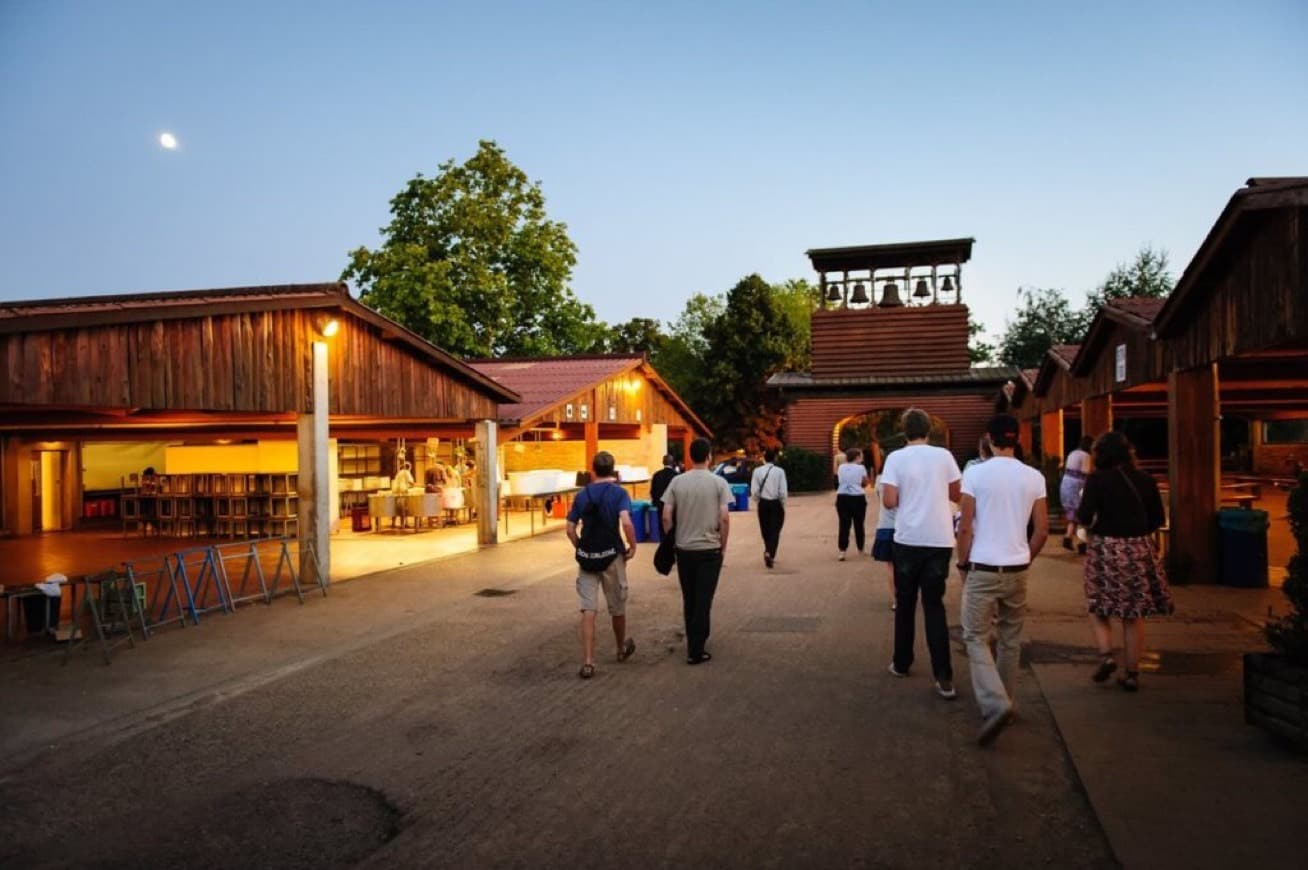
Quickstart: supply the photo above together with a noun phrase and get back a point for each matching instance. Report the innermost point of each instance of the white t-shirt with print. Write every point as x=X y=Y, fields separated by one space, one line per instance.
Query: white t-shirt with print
x=1005 y=491
x=922 y=473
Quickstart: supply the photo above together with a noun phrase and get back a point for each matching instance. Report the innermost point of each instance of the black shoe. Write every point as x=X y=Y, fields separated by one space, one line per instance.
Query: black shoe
x=767 y=559
x=706 y=657
x=1105 y=669
x=990 y=730
x=1081 y=548
x=1067 y=543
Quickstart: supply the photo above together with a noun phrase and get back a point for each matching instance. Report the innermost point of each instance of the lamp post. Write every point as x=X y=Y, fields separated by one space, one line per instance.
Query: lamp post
x=314 y=488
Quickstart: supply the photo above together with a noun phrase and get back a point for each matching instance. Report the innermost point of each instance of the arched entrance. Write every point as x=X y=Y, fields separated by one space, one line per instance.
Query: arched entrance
x=877 y=433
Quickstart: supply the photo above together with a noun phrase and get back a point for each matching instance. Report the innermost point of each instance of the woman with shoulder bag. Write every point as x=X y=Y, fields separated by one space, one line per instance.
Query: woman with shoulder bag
x=1124 y=578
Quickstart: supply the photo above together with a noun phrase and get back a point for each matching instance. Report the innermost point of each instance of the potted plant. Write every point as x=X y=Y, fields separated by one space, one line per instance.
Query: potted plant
x=1276 y=683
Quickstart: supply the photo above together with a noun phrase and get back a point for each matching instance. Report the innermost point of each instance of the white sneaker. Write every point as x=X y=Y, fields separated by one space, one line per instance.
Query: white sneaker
x=895 y=673
x=842 y=555
x=946 y=690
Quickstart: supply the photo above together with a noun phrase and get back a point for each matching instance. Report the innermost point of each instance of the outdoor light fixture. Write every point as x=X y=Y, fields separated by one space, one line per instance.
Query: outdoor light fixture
x=328 y=326
x=860 y=296
x=585 y=412
x=833 y=293
x=920 y=291
x=567 y=410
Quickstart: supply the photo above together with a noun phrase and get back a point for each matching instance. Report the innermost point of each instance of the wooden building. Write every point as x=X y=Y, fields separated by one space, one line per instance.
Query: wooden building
x=291 y=362
x=1221 y=365
x=573 y=407
x=892 y=334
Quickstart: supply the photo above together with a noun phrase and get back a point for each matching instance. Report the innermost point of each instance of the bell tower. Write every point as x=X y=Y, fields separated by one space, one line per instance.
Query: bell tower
x=891 y=310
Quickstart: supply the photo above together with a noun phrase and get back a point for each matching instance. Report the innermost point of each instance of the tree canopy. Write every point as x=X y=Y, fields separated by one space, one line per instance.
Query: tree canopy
x=471 y=262
x=1045 y=316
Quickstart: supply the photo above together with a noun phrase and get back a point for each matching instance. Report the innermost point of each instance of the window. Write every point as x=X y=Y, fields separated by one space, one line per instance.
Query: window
x=1285 y=432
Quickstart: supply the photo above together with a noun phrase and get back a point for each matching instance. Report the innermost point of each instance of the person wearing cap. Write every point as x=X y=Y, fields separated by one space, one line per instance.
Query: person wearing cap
x=1001 y=499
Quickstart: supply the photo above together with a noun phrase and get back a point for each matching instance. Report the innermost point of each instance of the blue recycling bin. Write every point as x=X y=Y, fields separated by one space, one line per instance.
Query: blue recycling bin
x=741 y=492
x=640 y=511
x=655 y=531
x=1242 y=544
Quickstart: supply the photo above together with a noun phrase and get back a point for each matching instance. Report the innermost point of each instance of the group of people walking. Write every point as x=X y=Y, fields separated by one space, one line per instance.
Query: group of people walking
x=988 y=522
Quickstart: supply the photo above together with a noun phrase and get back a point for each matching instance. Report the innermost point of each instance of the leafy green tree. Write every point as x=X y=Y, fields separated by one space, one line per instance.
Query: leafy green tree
x=747 y=344
x=1146 y=275
x=681 y=359
x=798 y=299
x=978 y=349
x=1044 y=318
x=471 y=262
x=638 y=335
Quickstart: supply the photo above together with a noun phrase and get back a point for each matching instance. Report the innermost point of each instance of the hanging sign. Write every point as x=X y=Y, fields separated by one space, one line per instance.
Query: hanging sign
x=1120 y=369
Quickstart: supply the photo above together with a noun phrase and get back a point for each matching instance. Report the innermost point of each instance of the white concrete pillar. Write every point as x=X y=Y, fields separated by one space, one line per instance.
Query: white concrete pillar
x=486 y=493
x=315 y=511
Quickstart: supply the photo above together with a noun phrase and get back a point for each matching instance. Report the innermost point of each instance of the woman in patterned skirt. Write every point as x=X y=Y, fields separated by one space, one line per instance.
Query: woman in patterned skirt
x=1120 y=509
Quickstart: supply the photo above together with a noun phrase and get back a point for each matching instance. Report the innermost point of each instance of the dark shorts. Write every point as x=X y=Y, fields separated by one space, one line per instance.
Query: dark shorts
x=883 y=545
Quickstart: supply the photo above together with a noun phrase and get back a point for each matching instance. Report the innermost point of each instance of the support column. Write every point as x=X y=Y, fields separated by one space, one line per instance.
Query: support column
x=592 y=442
x=1194 y=472
x=1051 y=434
x=1025 y=436
x=1096 y=415
x=314 y=488
x=486 y=492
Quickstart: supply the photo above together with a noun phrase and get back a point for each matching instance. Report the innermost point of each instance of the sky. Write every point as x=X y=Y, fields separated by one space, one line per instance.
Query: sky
x=685 y=145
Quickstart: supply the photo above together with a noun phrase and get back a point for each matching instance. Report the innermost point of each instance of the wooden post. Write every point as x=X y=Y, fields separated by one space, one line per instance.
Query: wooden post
x=1194 y=472
x=1096 y=415
x=1051 y=434
x=314 y=488
x=592 y=441
x=1025 y=434
x=486 y=491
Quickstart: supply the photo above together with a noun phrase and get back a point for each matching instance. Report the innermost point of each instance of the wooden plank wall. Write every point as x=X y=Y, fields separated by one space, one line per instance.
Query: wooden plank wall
x=1146 y=362
x=890 y=341
x=810 y=420
x=618 y=393
x=251 y=362
x=1260 y=299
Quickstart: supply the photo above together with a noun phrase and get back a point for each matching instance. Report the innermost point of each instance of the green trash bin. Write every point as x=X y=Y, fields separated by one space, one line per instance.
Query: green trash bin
x=1242 y=543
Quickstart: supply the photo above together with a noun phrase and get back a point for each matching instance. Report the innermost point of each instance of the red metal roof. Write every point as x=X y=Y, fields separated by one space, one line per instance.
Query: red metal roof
x=544 y=383
x=1065 y=353
x=1141 y=309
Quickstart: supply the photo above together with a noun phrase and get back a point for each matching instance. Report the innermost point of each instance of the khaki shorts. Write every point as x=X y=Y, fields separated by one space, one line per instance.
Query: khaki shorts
x=614 y=581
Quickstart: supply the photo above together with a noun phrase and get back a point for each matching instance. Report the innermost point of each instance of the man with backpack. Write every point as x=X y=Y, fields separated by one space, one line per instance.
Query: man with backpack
x=601 y=508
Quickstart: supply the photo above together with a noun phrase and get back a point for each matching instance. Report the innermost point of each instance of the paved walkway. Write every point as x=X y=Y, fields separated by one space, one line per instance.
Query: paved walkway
x=405 y=720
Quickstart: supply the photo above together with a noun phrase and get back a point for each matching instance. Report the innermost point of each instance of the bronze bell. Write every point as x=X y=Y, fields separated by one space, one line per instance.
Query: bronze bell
x=920 y=291
x=890 y=295
x=860 y=296
x=833 y=293
x=948 y=285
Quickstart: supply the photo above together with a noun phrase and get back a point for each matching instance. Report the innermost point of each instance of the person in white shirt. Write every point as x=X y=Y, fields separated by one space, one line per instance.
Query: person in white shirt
x=1000 y=497
x=921 y=482
x=851 y=501
x=768 y=488
x=1075 y=471
x=883 y=541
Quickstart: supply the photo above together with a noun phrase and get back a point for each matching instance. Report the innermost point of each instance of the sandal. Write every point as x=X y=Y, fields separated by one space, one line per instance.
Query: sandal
x=586 y=672
x=628 y=649
x=1131 y=682
x=1105 y=669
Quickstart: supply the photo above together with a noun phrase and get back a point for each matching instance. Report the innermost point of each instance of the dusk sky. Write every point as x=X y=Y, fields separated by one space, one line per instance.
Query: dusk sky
x=685 y=145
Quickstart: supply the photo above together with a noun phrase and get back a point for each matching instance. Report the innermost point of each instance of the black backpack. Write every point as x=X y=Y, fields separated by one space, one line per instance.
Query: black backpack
x=599 y=543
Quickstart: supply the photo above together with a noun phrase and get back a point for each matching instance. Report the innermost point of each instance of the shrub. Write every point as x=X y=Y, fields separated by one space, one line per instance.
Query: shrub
x=1289 y=634
x=806 y=471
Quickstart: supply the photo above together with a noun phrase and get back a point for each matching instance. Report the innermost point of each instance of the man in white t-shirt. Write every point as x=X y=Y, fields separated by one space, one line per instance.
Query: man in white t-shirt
x=921 y=482
x=1002 y=497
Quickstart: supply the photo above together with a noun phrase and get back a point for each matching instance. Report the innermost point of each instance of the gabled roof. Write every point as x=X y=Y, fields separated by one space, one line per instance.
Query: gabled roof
x=545 y=382
x=1025 y=383
x=1134 y=312
x=42 y=315
x=804 y=380
x=1057 y=358
x=1200 y=276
